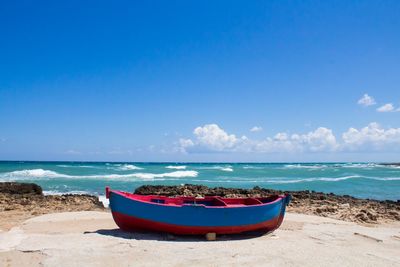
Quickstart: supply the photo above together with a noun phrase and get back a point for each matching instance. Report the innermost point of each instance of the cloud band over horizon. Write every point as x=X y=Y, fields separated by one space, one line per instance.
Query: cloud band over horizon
x=373 y=137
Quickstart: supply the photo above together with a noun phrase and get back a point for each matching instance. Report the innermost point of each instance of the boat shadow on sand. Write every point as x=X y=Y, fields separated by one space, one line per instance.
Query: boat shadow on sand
x=159 y=236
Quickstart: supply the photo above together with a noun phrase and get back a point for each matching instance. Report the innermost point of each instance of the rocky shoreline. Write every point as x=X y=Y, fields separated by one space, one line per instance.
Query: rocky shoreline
x=394 y=164
x=345 y=207
x=21 y=201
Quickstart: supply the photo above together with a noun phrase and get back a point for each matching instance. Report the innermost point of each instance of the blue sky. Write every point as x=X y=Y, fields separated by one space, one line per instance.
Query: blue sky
x=187 y=80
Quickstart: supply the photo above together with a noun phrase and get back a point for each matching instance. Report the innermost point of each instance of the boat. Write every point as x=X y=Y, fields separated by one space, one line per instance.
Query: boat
x=195 y=216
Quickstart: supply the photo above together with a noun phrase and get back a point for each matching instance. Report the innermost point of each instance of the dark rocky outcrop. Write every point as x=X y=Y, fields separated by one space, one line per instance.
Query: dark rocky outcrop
x=395 y=164
x=20 y=188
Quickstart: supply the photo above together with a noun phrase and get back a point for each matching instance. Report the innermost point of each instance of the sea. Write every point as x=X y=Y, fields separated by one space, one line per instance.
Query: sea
x=358 y=179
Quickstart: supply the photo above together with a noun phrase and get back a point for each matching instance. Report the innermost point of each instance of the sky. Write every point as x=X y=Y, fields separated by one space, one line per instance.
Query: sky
x=200 y=80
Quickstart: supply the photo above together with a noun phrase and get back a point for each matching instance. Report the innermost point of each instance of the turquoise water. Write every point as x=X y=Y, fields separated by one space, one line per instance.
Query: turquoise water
x=365 y=180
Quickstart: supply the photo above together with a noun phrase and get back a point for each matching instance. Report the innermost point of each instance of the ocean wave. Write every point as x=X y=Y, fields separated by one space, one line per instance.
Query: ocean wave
x=47 y=174
x=122 y=167
x=175 y=174
x=253 y=167
x=221 y=168
x=391 y=166
x=32 y=173
x=280 y=180
x=324 y=179
x=387 y=179
x=77 y=166
x=331 y=179
x=300 y=166
x=359 y=165
x=304 y=180
x=176 y=167
x=129 y=167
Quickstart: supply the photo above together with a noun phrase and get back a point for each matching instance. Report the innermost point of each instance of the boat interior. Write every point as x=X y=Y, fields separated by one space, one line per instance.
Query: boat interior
x=214 y=201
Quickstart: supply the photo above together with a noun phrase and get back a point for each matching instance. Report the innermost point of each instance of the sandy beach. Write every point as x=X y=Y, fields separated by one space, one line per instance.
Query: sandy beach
x=76 y=230
x=91 y=238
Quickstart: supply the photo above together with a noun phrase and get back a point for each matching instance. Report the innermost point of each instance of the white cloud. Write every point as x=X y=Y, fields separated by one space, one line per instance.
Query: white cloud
x=386 y=108
x=256 y=129
x=186 y=142
x=372 y=137
x=212 y=138
x=322 y=139
x=366 y=100
x=184 y=145
x=281 y=137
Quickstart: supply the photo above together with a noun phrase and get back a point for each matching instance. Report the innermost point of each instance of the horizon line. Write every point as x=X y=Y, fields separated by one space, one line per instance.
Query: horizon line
x=197 y=162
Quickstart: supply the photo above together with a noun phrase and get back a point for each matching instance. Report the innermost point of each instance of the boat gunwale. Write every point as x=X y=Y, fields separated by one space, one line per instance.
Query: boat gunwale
x=121 y=193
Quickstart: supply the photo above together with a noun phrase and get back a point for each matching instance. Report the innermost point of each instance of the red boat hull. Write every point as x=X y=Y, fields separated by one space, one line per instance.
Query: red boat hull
x=130 y=223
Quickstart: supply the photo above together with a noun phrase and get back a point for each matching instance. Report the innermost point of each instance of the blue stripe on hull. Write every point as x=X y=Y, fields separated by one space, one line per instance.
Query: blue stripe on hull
x=197 y=215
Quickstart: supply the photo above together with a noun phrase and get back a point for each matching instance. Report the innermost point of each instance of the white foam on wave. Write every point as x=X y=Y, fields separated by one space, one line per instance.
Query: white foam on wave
x=253 y=167
x=47 y=174
x=387 y=179
x=176 y=167
x=129 y=167
x=32 y=173
x=300 y=166
x=336 y=165
x=77 y=166
x=333 y=179
x=324 y=179
x=221 y=168
x=122 y=167
x=105 y=201
x=175 y=174
x=359 y=165
x=305 y=180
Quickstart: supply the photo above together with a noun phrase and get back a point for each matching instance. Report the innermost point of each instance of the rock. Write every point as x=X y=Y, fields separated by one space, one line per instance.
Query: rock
x=394 y=164
x=371 y=216
x=29 y=198
x=20 y=188
x=362 y=217
x=345 y=206
x=211 y=236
